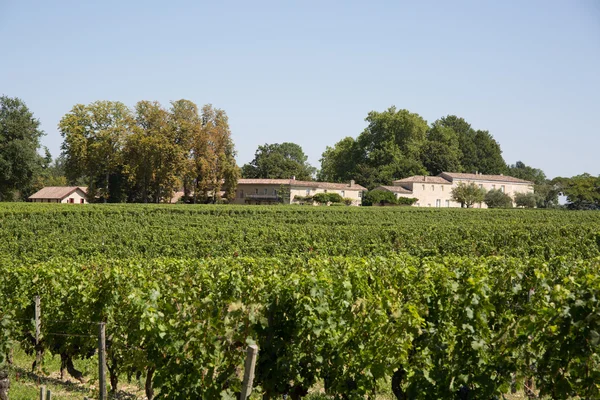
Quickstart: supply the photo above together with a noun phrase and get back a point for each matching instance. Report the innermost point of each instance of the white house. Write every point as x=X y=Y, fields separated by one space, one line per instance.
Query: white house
x=273 y=191
x=60 y=194
x=436 y=191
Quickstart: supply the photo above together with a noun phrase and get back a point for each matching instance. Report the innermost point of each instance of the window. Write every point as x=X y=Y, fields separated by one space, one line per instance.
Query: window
x=447 y=203
x=493 y=187
x=432 y=188
x=275 y=192
x=480 y=186
x=442 y=186
x=438 y=203
x=423 y=187
x=308 y=192
x=343 y=193
x=502 y=188
x=325 y=191
x=256 y=191
x=81 y=201
x=266 y=191
x=71 y=200
x=241 y=194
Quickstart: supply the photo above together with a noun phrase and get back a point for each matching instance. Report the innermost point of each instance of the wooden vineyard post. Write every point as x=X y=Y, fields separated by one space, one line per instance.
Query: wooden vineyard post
x=38 y=332
x=42 y=392
x=48 y=395
x=251 y=354
x=102 y=359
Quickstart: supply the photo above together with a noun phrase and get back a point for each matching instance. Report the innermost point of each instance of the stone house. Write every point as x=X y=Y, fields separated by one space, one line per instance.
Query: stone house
x=60 y=194
x=436 y=191
x=288 y=191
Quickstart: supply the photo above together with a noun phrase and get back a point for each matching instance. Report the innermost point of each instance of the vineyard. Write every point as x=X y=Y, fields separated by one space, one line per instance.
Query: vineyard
x=421 y=303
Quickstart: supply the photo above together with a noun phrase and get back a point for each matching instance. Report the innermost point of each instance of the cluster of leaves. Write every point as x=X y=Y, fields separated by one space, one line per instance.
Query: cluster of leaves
x=279 y=161
x=438 y=325
x=496 y=198
x=148 y=154
x=325 y=198
x=381 y=197
x=398 y=143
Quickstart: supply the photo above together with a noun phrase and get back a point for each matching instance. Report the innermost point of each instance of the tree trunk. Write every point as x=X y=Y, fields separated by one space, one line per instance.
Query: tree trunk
x=67 y=362
x=106 y=189
x=148 y=385
x=397 y=379
x=114 y=377
x=4 y=385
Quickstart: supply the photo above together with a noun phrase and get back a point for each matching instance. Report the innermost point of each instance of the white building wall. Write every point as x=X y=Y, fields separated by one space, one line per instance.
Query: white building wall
x=77 y=196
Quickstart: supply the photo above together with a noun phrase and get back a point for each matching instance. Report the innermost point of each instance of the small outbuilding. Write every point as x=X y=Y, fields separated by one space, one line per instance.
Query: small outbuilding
x=60 y=194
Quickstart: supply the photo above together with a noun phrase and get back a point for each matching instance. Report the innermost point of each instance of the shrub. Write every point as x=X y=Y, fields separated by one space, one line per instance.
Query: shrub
x=347 y=201
x=335 y=198
x=527 y=200
x=406 y=201
x=377 y=196
x=321 y=198
x=496 y=198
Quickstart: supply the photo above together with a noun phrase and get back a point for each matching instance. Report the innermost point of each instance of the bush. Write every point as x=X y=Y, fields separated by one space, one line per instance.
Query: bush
x=526 y=200
x=324 y=198
x=377 y=196
x=335 y=198
x=347 y=201
x=496 y=198
x=303 y=199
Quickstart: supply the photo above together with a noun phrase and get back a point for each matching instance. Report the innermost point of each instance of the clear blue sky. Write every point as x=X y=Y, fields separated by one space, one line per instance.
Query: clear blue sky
x=309 y=71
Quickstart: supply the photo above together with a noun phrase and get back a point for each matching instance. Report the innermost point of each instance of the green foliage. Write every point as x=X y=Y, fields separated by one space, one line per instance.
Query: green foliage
x=20 y=135
x=525 y=172
x=279 y=161
x=324 y=198
x=582 y=191
x=468 y=194
x=526 y=200
x=496 y=198
x=378 y=197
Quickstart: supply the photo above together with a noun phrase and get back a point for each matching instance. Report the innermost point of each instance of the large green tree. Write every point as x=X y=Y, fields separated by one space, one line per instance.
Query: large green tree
x=582 y=191
x=279 y=161
x=20 y=135
x=94 y=136
x=397 y=144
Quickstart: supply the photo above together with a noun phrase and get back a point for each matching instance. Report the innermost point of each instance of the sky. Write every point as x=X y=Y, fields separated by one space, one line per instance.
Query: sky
x=309 y=71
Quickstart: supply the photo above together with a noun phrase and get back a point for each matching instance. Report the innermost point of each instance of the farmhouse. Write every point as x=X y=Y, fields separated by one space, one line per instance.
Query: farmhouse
x=436 y=191
x=292 y=191
x=60 y=194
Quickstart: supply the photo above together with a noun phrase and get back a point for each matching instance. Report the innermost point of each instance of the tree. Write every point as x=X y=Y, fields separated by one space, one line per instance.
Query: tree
x=20 y=135
x=94 y=136
x=441 y=152
x=388 y=148
x=279 y=161
x=526 y=200
x=467 y=194
x=496 y=198
x=525 y=172
x=213 y=155
x=378 y=197
x=582 y=191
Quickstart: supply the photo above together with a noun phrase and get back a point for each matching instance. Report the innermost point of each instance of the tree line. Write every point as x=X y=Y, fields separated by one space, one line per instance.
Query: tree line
x=147 y=153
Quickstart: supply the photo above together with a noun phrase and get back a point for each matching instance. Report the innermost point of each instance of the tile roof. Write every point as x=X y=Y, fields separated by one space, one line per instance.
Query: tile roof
x=423 y=179
x=294 y=182
x=56 y=192
x=482 y=177
x=395 y=189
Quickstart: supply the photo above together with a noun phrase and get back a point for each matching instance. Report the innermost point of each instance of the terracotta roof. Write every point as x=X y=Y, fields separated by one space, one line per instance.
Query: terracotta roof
x=294 y=182
x=482 y=177
x=57 y=192
x=424 y=179
x=395 y=189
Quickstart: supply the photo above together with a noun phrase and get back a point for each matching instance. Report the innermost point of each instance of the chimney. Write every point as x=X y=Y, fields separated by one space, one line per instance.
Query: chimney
x=351 y=182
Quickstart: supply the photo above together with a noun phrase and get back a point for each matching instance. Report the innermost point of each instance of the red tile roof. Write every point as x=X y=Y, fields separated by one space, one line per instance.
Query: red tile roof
x=482 y=177
x=294 y=182
x=395 y=189
x=56 y=192
x=423 y=179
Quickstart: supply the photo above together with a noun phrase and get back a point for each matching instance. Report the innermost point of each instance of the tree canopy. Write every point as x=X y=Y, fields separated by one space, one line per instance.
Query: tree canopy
x=279 y=161
x=468 y=194
x=20 y=135
x=397 y=144
x=145 y=155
